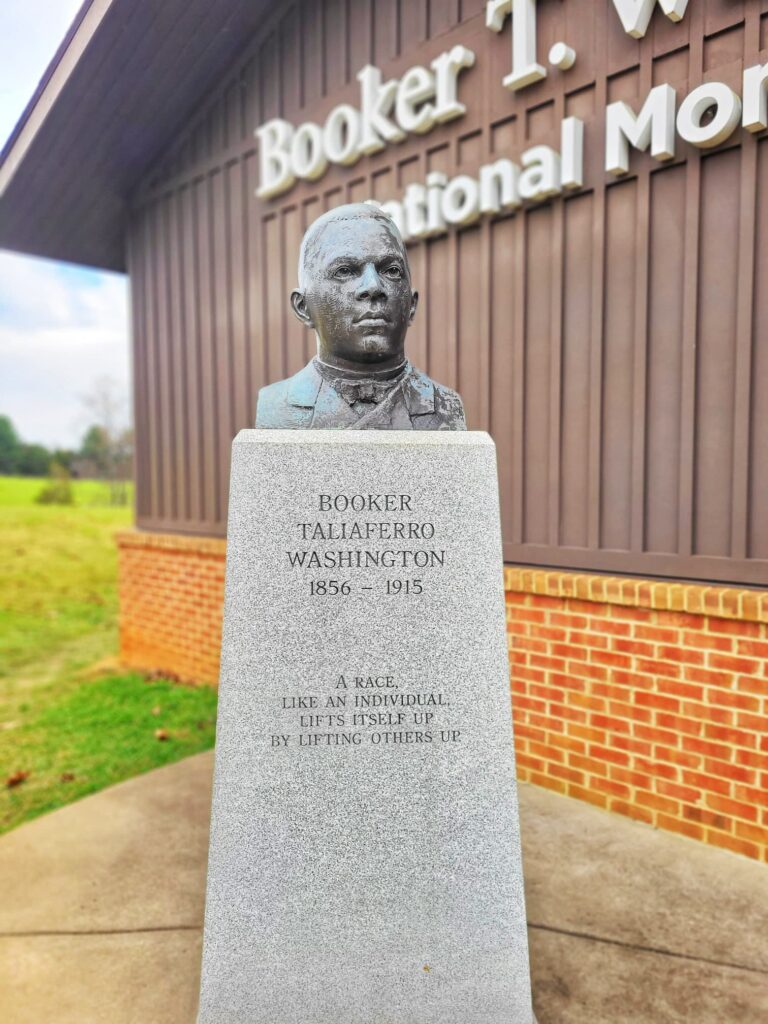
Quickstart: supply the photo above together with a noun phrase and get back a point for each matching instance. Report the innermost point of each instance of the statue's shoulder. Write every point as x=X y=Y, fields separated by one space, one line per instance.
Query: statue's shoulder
x=271 y=403
x=449 y=406
x=446 y=394
x=433 y=406
x=285 y=403
x=277 y=389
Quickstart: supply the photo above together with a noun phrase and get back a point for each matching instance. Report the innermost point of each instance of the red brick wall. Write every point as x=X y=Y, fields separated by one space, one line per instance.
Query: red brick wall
x=646 y=699
x=171 y=602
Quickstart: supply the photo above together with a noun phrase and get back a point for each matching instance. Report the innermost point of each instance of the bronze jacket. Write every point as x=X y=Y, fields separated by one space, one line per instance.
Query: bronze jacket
x=307 y=400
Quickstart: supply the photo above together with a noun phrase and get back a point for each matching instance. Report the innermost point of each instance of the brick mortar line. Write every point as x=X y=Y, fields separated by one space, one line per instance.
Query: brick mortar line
x=628 y=717
x=633 y=720
x=523 y=722
x=634 y=668
x=613 y=639
x=699 y=770
x=708 y=831
x=635 y=790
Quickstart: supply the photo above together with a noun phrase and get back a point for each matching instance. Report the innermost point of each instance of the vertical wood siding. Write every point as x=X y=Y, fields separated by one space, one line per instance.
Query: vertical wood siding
x=614 y=341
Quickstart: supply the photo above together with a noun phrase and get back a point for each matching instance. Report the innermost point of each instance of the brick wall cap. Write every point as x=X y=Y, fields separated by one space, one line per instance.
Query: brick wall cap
x=661 y=595
x=136 y=538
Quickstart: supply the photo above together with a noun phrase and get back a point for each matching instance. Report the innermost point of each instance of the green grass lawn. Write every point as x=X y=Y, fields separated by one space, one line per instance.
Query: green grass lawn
x=69 y=717
x=58 y=586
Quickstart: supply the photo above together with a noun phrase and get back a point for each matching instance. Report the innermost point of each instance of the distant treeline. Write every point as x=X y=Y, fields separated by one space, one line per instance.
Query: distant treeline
x=101 y=455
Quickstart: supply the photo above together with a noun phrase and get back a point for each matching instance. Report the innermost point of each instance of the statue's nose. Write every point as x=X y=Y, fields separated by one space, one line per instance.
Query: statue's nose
x=371 y=285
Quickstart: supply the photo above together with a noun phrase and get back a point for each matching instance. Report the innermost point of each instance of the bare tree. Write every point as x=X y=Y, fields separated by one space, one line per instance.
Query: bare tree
x=108 y=443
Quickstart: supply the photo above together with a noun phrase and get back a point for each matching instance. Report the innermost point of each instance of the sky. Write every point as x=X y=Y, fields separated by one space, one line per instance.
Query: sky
x=63 y=329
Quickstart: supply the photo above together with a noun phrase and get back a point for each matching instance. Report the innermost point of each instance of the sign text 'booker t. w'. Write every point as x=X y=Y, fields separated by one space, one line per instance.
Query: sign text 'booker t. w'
x=391 y=110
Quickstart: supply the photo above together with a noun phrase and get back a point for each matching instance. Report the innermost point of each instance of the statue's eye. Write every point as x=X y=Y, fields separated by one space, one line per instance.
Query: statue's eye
x=394 y=271
x=343 y=272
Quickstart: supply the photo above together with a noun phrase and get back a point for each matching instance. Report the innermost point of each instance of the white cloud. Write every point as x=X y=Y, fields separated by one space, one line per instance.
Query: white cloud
x=61 y=329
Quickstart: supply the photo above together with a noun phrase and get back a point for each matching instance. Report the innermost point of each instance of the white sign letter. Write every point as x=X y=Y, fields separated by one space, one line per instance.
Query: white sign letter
x=498 y=186
x=436 y=182
x=572 y=152
x=416 y=86
x=541 y=177
x=447 y=67
x=461 y=200
x=636 y=14
x=654 y=126
x=756 y=98
x=376 y=102
x=307 y=156
x=727 y=115
x=525 y=68
x=274 y=160
x=341 y=135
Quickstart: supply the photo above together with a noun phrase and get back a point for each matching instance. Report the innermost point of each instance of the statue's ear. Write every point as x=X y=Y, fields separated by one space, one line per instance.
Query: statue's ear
x=299 y=304
x=414 y=304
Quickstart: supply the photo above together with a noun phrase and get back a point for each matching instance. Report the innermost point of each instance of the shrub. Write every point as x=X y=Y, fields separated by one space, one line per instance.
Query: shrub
x=58 y=490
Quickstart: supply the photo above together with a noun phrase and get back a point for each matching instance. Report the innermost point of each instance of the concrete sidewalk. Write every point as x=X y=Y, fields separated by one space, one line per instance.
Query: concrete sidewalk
x=101 y=912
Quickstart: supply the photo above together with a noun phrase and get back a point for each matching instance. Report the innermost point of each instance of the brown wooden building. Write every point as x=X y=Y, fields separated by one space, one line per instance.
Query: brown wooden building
x=608 y=325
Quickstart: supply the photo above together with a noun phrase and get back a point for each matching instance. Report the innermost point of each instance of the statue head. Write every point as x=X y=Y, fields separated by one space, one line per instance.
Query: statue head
x=355 y=288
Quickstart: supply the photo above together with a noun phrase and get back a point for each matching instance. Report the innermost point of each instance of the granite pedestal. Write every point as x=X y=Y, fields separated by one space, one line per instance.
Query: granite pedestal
x=365 y=852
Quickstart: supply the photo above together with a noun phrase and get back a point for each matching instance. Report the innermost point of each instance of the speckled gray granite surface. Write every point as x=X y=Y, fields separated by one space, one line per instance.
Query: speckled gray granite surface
x=365 y=855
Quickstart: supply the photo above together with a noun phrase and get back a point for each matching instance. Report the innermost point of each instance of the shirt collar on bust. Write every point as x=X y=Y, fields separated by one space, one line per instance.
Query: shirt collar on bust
x=368 y=387
x=418 y=389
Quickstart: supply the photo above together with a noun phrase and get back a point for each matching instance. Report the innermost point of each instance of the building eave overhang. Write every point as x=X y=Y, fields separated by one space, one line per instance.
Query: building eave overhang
x=125 y=80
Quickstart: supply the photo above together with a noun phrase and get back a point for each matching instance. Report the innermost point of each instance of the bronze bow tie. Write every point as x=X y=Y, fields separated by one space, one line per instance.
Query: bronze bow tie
x=364 y=390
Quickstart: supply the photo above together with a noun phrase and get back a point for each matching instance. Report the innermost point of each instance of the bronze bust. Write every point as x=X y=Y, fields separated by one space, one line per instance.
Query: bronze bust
x=355 y=293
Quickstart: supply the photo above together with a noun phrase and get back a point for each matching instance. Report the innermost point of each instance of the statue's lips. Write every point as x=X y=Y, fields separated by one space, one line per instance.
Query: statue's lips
x=372 y=320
